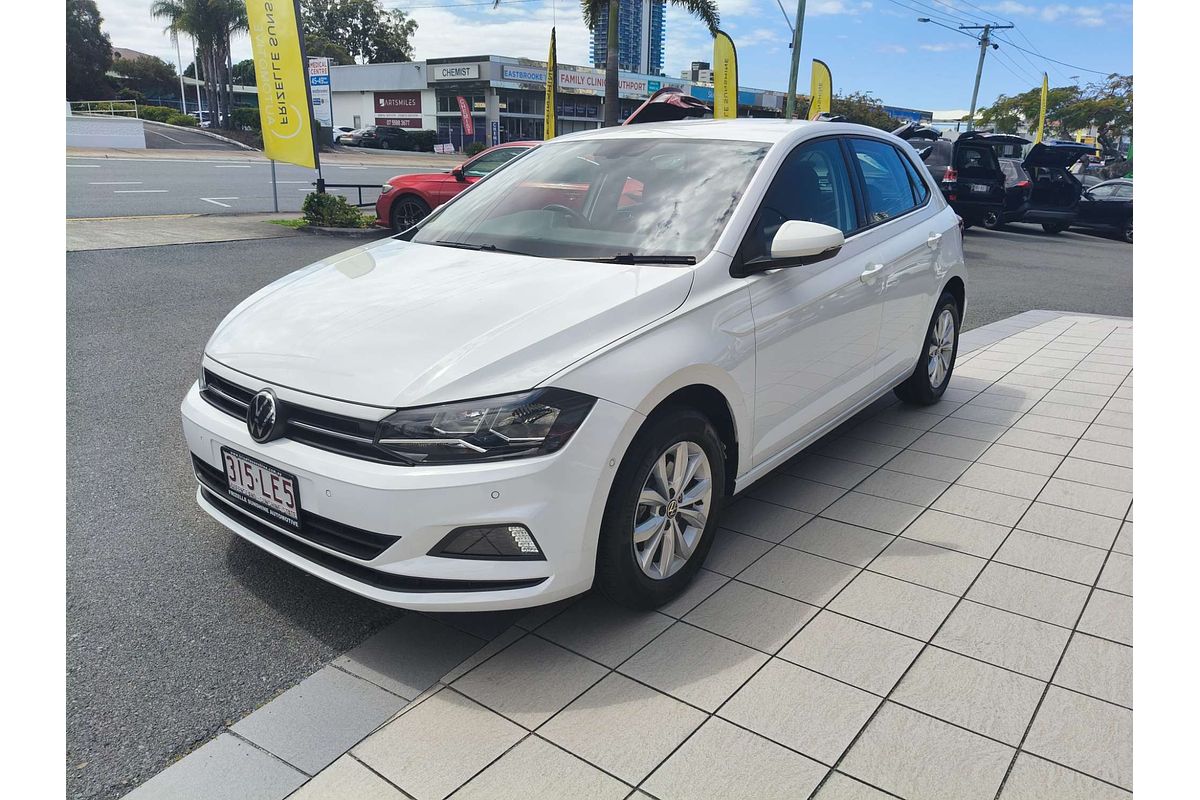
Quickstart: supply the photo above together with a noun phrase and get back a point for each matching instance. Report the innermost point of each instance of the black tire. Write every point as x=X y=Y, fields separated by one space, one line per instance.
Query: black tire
x=408 y=210
x=919 y=389
x=1127 y=232
x=991 y=220
x=1054 y=227
x=618 y=574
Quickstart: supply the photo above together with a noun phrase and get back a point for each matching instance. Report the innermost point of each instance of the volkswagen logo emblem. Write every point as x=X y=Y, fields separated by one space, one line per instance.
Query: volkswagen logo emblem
x=261 y=416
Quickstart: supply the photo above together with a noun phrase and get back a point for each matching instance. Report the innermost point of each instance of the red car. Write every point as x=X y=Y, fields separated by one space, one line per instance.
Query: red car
x=408 y=199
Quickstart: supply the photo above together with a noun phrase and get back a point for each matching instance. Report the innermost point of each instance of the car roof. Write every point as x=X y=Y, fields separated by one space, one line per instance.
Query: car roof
x=768 y=131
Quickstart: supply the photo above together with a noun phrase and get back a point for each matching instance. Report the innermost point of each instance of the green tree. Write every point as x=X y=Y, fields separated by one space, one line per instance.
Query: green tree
x=89 y=52
x=357 y=30
x=1007 y=114
x=243 y=73
x=147 y=75
x=595 y=10
x=212 y=23
x=1107 y=105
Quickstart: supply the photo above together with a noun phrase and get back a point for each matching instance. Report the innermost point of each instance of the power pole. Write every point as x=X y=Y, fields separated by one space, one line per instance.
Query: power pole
x=797 y=34
x=984 y=42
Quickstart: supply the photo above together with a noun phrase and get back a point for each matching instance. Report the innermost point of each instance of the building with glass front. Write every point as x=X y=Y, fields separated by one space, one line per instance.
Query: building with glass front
x=640 y=33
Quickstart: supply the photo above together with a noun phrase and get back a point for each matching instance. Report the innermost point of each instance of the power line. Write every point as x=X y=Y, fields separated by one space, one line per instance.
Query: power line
x=1056 y=61
x=988 y=14
x=1006 y=60
x=940 y=16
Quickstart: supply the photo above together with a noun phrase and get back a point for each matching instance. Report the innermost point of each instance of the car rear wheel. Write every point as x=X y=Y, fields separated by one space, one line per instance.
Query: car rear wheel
x=1054 y=227
x=991 y=220
x=931 y=376
x=408 y=211
x=1127 y=232
x=662 y=510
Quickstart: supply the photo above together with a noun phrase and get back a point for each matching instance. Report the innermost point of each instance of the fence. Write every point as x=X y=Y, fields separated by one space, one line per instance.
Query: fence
x=106 y=108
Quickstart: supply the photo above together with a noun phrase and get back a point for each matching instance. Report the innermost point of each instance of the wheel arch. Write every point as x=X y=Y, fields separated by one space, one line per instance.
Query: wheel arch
x=709 y=401
x=956 y=287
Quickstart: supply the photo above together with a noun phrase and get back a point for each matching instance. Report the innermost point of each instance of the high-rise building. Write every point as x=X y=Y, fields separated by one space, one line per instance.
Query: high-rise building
x=640 y=33
x=700 y=72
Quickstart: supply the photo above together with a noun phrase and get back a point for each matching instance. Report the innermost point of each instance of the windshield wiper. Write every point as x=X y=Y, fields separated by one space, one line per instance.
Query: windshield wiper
x=635 y=258
x=487 y=248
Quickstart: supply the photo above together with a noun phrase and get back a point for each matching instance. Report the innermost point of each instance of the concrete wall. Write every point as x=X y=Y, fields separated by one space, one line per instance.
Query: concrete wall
x=100 y=131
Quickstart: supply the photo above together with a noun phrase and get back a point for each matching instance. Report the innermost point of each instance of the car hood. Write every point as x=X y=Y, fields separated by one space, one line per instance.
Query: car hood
x=398 y=324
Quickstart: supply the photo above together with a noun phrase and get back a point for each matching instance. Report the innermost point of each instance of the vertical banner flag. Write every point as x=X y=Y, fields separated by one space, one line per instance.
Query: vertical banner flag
x=550 y=125
x=725 y=77
x=468 y=122
x=819 y=89
x=1042 y=111
x=281 y=70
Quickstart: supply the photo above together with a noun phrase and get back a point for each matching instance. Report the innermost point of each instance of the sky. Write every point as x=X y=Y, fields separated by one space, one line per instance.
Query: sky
x=875 y=46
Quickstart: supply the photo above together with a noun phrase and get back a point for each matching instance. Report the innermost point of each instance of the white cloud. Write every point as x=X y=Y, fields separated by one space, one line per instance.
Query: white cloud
x=945 y=47
x=1082 y=15
x=822 y=8
x=898 y=49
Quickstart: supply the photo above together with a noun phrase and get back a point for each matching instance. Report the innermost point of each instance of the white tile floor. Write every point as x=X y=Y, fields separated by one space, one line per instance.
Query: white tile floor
x=929 y=603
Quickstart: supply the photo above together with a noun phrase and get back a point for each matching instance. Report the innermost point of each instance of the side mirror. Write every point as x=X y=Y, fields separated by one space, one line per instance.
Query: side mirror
x=457 y=172
x=808 y=241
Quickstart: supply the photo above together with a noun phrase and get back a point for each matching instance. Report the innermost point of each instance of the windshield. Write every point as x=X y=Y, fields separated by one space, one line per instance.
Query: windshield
x=603 y=199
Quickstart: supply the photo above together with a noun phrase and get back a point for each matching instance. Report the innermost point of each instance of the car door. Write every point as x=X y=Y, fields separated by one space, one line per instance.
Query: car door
x=1097 y=206
x=816 y=325
x=903 y=236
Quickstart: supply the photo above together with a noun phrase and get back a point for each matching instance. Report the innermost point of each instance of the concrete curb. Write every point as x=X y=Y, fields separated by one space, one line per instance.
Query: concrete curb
x=203 y=132
x=350 y=233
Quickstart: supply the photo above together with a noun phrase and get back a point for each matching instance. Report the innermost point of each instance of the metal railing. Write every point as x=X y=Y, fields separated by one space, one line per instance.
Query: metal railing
x=322 y=186
x=105 y=108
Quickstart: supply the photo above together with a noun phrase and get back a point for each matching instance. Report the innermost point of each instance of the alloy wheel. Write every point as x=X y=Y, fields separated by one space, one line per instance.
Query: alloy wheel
x=941 y=348
x=672 y=510
x=409 y=213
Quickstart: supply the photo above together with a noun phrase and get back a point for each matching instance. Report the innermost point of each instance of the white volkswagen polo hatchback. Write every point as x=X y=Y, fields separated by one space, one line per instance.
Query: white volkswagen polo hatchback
x=560 y=377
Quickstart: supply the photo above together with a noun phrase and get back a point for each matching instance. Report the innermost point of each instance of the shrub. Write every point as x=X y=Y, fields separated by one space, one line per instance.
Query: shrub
x=332 y=211
x=183 y=120
x=247 y=119
x=131 y=94
x=474 y=149
x=424 y=141
x=157 y=113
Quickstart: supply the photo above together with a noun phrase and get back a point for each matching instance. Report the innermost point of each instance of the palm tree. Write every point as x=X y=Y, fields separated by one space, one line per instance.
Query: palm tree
x=212 y=23
x=595 y=10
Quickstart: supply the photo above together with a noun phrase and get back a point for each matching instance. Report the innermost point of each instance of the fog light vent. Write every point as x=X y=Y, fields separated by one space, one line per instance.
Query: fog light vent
x=507 y=542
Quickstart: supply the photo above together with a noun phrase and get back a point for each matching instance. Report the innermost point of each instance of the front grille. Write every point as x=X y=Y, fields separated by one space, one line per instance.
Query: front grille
x=360 y=572
x=337 y=433
x=337 y=536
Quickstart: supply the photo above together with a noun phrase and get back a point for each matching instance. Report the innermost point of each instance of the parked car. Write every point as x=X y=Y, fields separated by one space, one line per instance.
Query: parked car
x=1018 y=188
x=405 y=200
x=353 y=138
x=1056 y=191
x=385 y=137
x=340 y=131
x=970 y=177
x=1108 y=206
x=561 y=377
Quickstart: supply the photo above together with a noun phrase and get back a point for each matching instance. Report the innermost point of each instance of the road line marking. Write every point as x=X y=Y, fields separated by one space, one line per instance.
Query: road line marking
x=138 y=191
x=340 y=166
x=214 y=200
x=233 y=166
x=84 y=166
x=310 y=183
x=163 y=135
x=114 y=183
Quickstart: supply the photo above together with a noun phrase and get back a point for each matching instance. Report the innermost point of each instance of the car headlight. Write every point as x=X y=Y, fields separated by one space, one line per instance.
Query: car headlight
x=521 y=425
x=387 y=187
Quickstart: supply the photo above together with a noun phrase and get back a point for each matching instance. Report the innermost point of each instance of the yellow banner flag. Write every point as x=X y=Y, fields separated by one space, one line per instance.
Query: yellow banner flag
x=1042 y=113
x=550 y=125
x=725 y=77
x=282 y=75
x=819 y=89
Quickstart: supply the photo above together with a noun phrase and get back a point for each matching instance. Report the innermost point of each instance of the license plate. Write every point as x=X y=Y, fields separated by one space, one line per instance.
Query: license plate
x=981 y=188
x=270 y=490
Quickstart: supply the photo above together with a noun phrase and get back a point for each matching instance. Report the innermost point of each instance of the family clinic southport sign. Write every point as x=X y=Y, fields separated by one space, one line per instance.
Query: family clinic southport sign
x=284 y=104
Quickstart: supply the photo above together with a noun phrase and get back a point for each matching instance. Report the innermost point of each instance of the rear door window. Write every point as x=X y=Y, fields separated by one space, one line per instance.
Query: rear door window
x=889 y=189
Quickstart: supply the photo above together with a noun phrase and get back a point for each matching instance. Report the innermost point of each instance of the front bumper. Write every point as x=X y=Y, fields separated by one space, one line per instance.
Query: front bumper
x=559 y=497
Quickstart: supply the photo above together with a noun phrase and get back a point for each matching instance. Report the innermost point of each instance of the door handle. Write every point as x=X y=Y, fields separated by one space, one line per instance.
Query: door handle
x=868 y=274
x=933 y=240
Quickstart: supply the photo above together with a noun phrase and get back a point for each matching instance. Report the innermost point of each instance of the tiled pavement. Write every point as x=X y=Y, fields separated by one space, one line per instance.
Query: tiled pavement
x=929 y=603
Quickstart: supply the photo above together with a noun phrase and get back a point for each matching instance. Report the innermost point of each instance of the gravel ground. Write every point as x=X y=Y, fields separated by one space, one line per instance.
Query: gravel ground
x=175 y=628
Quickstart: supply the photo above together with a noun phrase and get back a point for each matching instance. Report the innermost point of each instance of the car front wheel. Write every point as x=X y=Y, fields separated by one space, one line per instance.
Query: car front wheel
x=1127 y=232
x=991 y=220
x=408 y=211
x=1054 y=227
x=662 y=510
x=931 y=376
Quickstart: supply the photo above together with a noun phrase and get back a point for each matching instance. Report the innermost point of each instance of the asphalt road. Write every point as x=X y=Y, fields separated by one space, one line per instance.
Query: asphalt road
x=119 y=187
x=165 y=137
x=176 y=628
